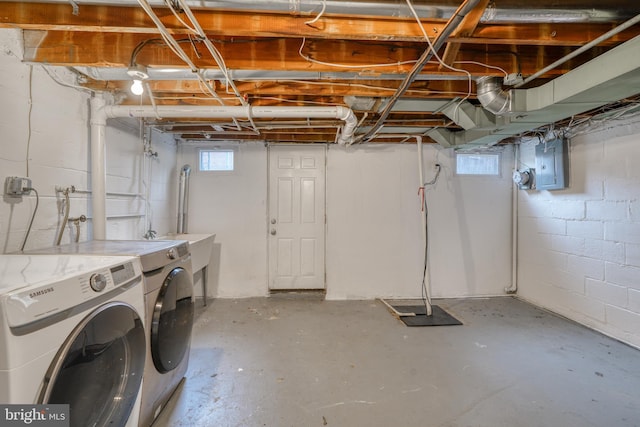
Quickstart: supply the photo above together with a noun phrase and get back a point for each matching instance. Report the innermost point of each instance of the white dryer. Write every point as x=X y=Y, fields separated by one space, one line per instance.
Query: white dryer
x=72 y=332
x=168 y=283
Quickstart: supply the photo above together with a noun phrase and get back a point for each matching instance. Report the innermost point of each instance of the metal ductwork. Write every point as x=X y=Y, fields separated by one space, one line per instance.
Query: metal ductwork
x=491 y=95
x=610 y=77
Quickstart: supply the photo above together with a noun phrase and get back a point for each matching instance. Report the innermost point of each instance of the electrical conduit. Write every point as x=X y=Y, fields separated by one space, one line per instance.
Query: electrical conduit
x=424 y=226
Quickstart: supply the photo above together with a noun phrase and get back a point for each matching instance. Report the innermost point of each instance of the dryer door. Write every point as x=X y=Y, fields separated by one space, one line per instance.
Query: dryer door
x=98 y=370
x=172 y=320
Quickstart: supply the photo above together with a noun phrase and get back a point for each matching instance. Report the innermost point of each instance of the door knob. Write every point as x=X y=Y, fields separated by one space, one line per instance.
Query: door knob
x=273 y=220
x=273 y=231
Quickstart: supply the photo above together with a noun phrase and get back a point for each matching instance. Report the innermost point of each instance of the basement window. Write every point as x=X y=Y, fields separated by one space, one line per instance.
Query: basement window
x=485 y=164
x=220 y=160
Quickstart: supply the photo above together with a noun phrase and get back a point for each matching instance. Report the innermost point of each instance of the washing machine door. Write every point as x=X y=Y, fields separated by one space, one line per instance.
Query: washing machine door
x=98 y=370
x=172 y=320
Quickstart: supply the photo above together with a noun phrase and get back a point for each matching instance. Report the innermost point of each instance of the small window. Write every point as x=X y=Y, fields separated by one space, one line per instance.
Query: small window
x=216 y=160
x=478 y=164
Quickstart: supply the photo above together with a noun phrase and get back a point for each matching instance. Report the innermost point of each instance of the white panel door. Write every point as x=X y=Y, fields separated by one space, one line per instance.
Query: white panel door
x=296 y=217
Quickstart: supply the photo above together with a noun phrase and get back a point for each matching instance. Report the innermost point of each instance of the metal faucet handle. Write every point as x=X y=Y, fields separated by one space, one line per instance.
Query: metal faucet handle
x=150 y=234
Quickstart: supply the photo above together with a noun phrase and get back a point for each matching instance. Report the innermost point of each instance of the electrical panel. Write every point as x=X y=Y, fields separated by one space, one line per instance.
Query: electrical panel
x=552 y=165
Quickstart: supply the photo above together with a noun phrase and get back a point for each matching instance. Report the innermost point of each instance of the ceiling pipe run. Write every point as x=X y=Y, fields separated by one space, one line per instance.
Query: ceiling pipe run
x=236 y=112
x=100 y=112
x=434 y=9
x=582 y=49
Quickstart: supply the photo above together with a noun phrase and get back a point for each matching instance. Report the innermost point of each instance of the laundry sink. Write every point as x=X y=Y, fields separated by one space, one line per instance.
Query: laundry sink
x=200 y=245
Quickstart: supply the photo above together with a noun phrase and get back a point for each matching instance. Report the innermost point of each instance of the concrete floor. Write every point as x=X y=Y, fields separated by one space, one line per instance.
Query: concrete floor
x=281 y=362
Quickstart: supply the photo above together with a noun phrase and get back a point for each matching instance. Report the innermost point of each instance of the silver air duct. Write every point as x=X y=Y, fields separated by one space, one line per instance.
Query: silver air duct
x=491 y=95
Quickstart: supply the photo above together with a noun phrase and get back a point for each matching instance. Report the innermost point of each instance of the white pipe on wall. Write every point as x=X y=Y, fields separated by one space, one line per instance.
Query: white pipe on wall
x=514 y=226
x=98 y=166
x=100 y=112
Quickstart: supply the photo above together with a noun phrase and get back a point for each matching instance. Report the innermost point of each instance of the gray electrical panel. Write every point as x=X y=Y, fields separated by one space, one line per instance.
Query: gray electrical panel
x=552 y=165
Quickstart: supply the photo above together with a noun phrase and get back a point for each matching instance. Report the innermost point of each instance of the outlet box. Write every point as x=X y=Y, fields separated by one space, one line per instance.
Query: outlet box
x=17 y=187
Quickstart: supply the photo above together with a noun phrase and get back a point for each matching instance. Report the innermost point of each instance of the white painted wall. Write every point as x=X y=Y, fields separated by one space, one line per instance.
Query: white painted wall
x=49 y=124
x=579 y=248
x=374 y=241
x=234 y=207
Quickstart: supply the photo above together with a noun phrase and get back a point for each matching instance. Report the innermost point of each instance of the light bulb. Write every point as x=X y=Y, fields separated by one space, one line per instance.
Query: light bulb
x=137 y=88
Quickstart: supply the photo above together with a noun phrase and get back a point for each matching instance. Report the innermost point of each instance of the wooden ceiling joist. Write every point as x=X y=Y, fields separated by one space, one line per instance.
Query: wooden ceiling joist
x=331 y=61
x=235 y=23
x=465 y=29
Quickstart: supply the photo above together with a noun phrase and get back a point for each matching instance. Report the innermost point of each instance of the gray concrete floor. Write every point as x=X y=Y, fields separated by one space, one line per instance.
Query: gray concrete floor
x=282 y=362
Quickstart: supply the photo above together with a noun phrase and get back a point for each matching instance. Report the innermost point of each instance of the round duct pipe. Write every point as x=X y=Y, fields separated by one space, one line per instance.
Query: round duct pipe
x=491 y=95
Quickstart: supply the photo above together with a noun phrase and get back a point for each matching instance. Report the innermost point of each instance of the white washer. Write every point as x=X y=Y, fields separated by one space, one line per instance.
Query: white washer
x=72 y=332
x=168 y=283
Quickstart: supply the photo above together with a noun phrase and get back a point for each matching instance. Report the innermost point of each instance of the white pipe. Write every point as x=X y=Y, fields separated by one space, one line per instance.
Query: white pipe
x=98 y=166
x=424 y=225
x=218 y=112
x=584 y=48
x=514 y=227
x=100 y=112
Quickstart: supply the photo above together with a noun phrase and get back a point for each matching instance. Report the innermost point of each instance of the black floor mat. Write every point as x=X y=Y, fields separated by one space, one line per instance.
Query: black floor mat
x=438 y=317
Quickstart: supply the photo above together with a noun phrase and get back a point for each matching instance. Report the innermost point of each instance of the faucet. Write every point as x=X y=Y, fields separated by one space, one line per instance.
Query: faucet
x=150 y=234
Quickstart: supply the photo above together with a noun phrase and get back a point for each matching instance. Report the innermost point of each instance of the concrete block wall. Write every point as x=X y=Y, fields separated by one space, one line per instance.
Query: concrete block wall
x=374 y=237
x=45 y=137
x=234 y=207
x=374 y=241
x=579 y=248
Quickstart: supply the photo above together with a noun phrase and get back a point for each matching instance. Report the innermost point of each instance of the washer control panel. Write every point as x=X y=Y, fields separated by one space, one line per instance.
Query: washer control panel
x=48 y=298
x=122 y=273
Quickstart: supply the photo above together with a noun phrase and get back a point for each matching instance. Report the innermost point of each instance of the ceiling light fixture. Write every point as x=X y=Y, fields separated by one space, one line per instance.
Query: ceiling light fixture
x=137 y=88
x=138 y=73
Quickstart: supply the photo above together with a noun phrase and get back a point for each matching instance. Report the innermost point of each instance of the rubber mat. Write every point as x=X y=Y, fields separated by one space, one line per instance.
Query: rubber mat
x=438 y=317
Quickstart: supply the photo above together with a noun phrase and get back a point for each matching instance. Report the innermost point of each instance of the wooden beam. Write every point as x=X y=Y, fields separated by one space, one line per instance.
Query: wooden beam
x=115 y=50
x=234 y=23
x=215 y=22
x=465 y=29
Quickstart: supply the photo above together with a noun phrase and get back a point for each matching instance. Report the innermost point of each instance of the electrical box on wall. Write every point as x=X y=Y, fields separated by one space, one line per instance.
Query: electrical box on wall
x=552 y=165
x=525 y=179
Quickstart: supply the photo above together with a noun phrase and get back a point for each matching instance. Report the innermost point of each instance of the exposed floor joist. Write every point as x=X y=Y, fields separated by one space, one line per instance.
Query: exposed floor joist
x=282 y=58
